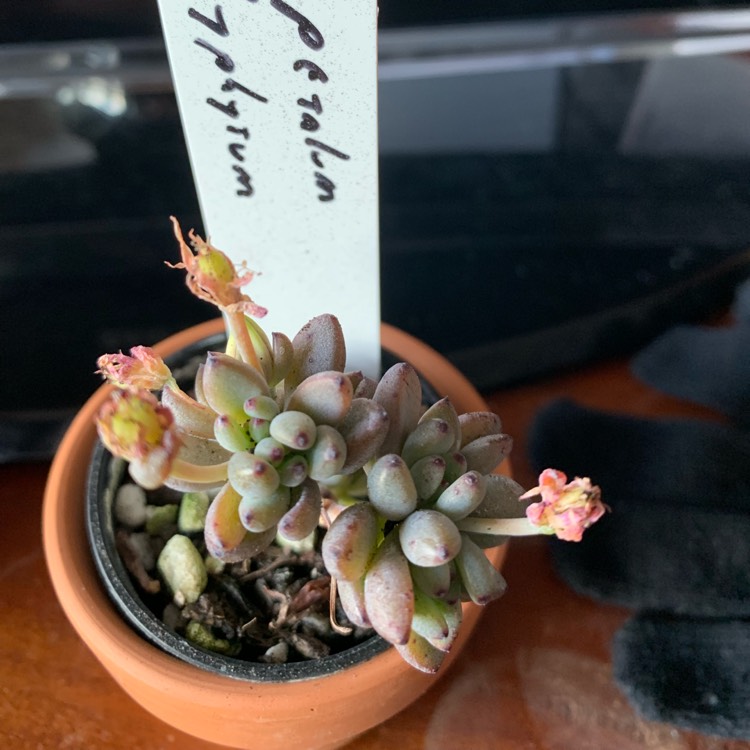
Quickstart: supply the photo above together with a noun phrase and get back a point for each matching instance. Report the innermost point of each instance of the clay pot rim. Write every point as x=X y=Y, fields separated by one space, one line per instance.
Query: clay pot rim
x=71 y=567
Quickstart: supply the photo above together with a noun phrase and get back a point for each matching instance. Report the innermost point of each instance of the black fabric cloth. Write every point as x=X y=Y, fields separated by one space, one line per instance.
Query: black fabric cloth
x=676 y=547
x=741 y=306
x=687 y=671
x=709 y=366
x=677 y=540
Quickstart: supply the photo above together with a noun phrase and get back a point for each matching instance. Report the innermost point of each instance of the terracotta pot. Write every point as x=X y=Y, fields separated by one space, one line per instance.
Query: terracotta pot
x=238 y=713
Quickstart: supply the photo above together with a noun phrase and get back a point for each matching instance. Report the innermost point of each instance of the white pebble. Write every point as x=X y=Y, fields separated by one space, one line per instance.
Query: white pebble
x=130 y=505
x=277 y=654
x=181 y=566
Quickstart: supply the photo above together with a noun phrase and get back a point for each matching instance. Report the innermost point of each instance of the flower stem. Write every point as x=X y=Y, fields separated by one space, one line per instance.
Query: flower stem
x=245 y=348
x=499 y=526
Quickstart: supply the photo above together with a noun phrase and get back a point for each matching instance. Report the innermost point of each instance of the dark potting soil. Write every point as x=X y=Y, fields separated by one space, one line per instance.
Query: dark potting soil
x=274 y=608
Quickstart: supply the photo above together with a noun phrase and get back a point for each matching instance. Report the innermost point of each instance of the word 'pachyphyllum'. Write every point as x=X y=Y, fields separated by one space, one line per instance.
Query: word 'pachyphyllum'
x=281 y=443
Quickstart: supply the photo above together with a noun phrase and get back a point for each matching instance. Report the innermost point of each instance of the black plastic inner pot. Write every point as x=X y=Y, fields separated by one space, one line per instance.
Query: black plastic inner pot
x=105 y=476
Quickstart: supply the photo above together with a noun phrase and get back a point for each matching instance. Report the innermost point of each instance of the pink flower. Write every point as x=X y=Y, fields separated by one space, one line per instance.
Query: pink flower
x=566 y=509
x=211 y=275
x=142 y=369
x=135 y=426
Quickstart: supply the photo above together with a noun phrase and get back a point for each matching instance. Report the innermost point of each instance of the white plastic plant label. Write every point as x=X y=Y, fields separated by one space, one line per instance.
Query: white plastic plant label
x=279 y=107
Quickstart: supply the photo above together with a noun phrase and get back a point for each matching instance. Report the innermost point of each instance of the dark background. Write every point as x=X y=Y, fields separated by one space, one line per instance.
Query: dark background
x=45 y=20
x=513 y=263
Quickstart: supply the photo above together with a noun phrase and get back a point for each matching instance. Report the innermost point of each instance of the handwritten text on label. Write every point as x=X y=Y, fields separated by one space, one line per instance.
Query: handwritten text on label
x=312 y=38
x=225 y=63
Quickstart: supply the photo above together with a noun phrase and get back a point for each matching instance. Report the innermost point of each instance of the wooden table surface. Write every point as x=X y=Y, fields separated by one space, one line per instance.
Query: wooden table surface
x=536 y=676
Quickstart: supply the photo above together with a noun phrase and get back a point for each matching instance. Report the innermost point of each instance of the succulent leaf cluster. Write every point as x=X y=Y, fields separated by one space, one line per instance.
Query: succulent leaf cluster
x=402 y=564
x=282 y=441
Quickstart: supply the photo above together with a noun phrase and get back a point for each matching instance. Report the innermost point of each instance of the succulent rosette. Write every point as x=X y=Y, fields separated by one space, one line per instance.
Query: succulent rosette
x=283 y=442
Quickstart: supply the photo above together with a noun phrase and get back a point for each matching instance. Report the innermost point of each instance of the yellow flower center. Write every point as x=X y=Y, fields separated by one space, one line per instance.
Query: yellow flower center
x=571 y=498
x=136 y=422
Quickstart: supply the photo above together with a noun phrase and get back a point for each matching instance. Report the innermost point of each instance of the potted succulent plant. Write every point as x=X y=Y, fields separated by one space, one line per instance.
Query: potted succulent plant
x=271 y=455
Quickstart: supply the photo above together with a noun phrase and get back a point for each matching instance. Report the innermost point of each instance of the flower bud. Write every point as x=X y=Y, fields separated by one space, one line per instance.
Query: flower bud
x=212 y=277
x=566 y=509
x=143 y=369
x=134 y=426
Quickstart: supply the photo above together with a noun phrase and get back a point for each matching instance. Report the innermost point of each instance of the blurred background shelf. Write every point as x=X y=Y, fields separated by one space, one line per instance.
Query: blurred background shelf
x=582 y=165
